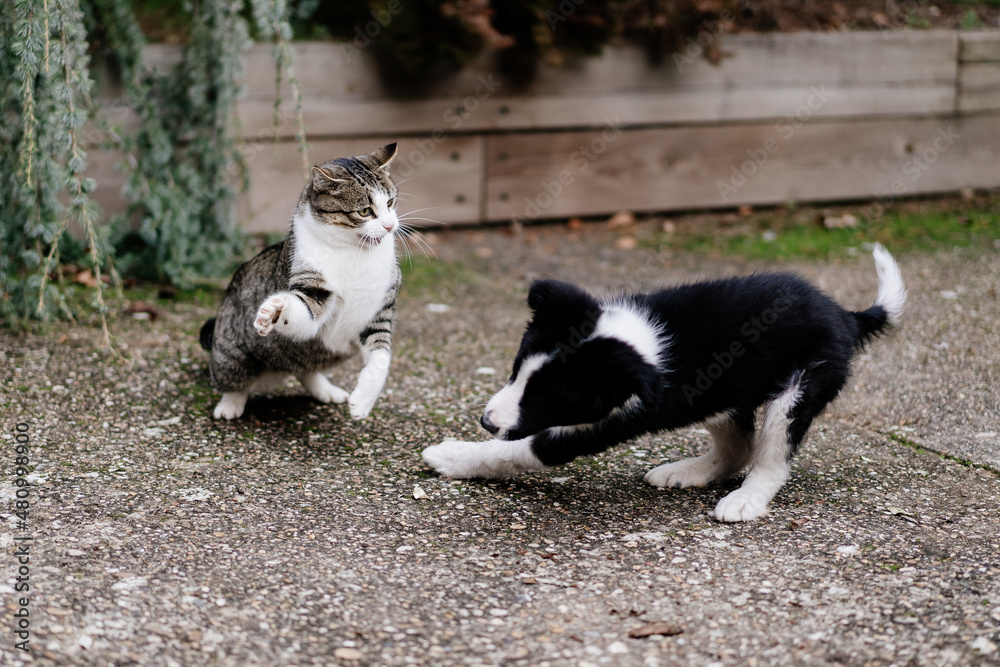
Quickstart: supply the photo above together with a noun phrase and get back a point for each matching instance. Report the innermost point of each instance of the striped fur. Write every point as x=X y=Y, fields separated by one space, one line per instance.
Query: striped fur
x=325 y=293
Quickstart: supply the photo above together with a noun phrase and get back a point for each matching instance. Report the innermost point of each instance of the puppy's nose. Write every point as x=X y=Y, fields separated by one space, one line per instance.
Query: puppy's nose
x=488 y=425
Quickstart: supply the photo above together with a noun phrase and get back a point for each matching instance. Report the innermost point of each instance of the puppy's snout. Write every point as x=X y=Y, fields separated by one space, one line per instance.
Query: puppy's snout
x=489 y=425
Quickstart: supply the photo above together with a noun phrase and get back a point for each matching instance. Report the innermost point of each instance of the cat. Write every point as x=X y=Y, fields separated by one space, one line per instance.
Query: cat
x=323 y=294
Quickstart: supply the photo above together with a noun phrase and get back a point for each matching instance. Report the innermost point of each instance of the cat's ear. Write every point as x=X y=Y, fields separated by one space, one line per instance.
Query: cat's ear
x=323 y=179
x=384 y=155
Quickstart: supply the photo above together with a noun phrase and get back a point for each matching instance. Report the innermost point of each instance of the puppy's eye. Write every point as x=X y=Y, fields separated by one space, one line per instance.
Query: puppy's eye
x=366 y=212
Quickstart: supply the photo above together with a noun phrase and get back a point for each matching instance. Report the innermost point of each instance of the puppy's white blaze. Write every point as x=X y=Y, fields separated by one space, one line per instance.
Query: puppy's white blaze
x=632 y=327
x=891 y=289
x=504 y=409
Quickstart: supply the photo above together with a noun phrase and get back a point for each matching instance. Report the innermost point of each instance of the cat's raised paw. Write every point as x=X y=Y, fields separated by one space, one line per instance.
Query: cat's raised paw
x=269 y=313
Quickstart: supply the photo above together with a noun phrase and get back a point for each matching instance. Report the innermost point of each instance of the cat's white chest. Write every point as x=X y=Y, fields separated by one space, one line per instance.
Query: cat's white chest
x=359 y=280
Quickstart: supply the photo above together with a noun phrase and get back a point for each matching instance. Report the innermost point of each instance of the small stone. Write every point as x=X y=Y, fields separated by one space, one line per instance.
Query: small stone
x=438 y=308
x=618 y=648
x=984 y=646
x=418 y=493
x=345 y=653
x=486 y=370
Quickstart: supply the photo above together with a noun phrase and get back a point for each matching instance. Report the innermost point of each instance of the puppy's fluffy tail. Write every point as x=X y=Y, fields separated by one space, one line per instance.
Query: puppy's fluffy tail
x=207 y=334
x=888 y=308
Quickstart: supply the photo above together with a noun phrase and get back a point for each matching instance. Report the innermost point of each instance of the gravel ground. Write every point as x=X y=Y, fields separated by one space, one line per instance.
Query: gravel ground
x=295 y=536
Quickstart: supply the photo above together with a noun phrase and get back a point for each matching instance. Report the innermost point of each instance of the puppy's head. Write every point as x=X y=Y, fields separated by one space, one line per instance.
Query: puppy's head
x=578 y=362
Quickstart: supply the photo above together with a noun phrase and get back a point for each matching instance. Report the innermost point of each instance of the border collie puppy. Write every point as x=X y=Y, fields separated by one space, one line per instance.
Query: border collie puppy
x=591 y=374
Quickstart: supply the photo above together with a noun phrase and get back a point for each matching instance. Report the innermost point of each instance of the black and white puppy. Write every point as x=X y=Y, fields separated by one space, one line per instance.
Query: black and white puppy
x=591 y=374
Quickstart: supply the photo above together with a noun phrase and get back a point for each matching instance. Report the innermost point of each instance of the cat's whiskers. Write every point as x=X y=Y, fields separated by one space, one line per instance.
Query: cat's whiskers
x=406 y=247
x=407 y=234
x=410 y=214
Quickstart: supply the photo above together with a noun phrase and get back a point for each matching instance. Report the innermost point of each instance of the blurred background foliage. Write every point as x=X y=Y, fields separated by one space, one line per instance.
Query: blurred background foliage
x=180 y=155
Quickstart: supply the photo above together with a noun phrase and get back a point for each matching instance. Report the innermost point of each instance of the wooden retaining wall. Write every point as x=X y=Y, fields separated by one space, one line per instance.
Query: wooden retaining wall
x=804 y=117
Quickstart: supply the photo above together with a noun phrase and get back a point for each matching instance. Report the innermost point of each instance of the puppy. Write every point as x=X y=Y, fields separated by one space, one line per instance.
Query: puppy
x=591 y=374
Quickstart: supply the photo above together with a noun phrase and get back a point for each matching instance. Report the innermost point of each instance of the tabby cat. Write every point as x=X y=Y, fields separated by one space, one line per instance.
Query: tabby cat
x=324 y=293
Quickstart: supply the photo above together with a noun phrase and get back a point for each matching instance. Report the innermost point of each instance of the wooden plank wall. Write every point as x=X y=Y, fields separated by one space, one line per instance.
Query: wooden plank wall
x=805 y=117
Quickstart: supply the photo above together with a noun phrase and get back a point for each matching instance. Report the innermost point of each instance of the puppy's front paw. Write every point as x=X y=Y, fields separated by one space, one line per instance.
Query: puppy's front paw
x=490 y=459
x=453 y=458
x=269 y=313
x=682 y=474
x=740 y=505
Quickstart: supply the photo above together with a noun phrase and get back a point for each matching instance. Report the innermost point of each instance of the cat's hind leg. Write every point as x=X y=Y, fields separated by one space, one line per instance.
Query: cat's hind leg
x=231 y=406
x=322 y=389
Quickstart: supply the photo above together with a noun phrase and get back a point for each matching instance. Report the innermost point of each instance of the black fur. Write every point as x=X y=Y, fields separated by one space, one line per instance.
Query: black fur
x=727 y=345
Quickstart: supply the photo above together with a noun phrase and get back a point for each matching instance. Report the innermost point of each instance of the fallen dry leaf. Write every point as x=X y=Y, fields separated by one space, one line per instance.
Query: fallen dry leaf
x=664 y=628
x=621 y=219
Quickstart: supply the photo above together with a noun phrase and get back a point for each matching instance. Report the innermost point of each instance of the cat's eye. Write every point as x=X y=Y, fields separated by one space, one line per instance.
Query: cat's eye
x=391 y=203
x=366 y=212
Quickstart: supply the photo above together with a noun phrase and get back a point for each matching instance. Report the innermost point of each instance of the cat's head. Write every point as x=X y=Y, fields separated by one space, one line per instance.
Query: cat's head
x=356 y=196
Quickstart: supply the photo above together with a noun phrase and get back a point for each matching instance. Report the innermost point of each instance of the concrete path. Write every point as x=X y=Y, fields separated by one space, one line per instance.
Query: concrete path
x=295 y=536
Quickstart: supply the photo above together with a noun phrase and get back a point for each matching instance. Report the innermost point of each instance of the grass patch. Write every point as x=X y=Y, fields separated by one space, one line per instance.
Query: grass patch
x=432 y=278
x=794 y=233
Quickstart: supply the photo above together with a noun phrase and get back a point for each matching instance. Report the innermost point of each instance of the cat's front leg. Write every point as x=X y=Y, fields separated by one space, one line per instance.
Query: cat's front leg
x=370 y=382
x=288 y=314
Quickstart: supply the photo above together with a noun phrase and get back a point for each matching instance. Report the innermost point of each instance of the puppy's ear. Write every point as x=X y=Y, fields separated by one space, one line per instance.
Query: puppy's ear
x=613 y=372
x=556 y=300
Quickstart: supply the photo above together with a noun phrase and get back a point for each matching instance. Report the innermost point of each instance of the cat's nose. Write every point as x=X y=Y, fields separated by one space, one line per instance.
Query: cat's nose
x=389 y=225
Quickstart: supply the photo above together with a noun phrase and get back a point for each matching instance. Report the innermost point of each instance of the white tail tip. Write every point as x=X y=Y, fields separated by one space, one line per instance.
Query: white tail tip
x=891 y=289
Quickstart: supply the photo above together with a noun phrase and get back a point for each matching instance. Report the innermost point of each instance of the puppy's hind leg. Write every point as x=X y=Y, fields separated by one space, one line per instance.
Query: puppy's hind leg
x=770 y=463
x=732 y=437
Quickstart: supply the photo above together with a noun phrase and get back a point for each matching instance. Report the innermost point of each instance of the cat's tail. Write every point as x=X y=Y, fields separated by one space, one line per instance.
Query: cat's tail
x=207 y=334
